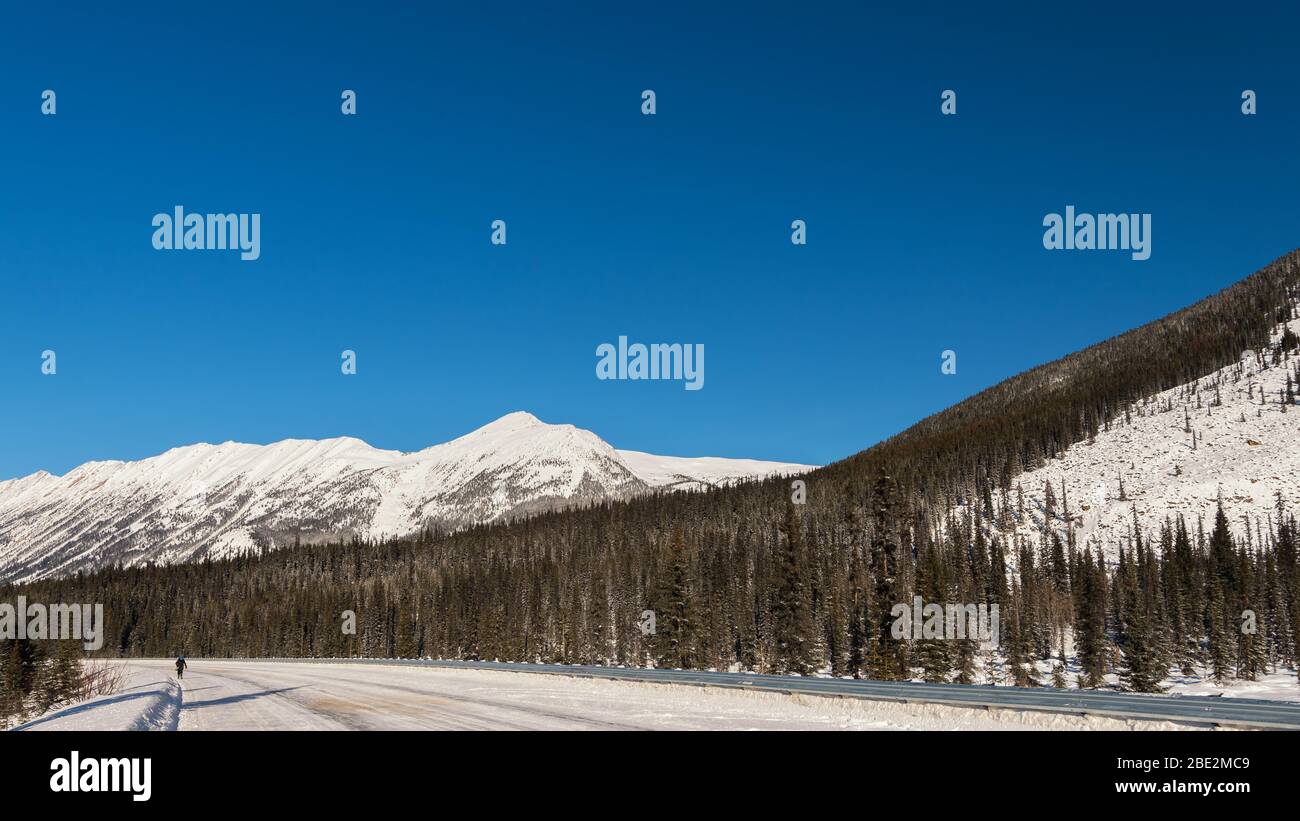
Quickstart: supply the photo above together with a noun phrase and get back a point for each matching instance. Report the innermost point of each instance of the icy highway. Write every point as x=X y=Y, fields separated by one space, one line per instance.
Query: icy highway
x=435 y=695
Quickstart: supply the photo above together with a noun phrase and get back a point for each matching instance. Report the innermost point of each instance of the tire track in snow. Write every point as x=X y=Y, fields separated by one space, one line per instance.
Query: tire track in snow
x=163 y=713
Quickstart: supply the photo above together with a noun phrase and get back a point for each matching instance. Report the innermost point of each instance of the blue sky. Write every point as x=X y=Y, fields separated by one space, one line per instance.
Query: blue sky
x=924 y=231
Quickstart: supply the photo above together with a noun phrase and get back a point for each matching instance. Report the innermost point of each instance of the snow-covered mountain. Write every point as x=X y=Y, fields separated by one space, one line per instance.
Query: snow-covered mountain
x=219 y=500
x=1147 y=467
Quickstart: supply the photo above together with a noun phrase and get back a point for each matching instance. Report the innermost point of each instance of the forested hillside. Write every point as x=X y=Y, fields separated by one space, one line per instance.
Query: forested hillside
x=745 y=577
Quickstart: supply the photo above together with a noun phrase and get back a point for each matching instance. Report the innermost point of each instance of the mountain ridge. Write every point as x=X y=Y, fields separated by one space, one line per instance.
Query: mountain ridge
x=216 y=500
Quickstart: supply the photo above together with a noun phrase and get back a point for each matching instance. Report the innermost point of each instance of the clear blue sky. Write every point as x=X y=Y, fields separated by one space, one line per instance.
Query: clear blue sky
x=924 y=231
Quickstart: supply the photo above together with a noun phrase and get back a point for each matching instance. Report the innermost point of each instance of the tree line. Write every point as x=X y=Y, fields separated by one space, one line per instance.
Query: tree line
x=801 y=594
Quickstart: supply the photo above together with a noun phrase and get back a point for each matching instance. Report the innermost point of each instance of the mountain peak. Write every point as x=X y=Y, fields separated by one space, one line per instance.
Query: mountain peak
x=222 y=500
x=512 y=421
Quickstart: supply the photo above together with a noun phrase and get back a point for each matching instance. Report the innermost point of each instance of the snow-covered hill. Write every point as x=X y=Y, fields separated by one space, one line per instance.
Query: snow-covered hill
x=218 y=500
x=1247 y=448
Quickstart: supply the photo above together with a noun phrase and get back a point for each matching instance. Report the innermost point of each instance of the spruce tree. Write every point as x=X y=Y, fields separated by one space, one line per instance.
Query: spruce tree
x=888 y=655
x=792 y=619
x=933 y=653
x=675 y=638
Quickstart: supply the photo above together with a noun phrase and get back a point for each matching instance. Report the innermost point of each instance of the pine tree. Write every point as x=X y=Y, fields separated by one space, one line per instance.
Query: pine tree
x=1219 y=637
x=60 y=677
x=838 y=643
x=1058 y=676
x=1090 y=624
x=675 y=637
x=1142 y=669
x=887 y=659
x=933 y=652
x=18 y=676
x=860 y=627
x=792 y=620
x=407 y=643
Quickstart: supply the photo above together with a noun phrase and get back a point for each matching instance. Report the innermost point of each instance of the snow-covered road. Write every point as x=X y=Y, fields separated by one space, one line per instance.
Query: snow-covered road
x=227 y=695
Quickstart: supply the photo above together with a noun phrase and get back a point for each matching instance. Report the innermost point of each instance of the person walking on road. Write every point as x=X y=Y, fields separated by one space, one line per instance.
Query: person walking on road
x=180 y=666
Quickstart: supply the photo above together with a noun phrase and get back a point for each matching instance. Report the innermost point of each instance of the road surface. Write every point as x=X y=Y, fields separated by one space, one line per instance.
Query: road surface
x=1244 y=712
x=417 y=695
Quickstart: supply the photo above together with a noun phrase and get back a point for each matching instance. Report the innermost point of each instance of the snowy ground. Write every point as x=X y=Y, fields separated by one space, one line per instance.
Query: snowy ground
x=148 y=699
x=1246 y=450
x=1280 y=686
x=284 y=696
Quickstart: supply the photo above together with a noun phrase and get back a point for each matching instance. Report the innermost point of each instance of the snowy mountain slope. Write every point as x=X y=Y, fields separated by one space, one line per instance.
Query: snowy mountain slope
x=1247 y=448
x=691 y=473
x=218 y=500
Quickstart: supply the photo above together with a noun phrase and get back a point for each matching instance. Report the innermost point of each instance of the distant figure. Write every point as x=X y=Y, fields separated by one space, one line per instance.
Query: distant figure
x=180 y=666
